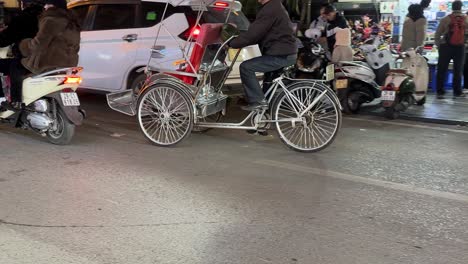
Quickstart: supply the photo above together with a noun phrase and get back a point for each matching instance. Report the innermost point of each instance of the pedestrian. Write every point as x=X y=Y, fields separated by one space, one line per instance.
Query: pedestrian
x=342 y=50
x=450 y=39
x=465 y=68
x=317 y=29
x=335 y=22
x=414 y=28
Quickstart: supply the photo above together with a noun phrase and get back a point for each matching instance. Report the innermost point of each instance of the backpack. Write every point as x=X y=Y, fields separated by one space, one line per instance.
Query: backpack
x=456 y=34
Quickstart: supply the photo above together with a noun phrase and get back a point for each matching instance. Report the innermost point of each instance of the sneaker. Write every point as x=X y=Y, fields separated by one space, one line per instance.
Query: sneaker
x=2 y=99
x=459 y=96
x=440 y=96
x=255 y=106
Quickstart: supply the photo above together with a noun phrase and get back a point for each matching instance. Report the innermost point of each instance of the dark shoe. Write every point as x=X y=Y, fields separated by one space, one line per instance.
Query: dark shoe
x=255 y=106
x=440 y=96
x=459 y=96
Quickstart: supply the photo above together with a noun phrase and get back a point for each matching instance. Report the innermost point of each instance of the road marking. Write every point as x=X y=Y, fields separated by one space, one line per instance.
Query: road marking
x=409 y=125
x=359 y=179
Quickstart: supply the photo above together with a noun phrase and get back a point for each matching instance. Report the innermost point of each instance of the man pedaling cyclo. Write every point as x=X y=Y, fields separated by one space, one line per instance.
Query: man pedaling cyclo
x=272 y=30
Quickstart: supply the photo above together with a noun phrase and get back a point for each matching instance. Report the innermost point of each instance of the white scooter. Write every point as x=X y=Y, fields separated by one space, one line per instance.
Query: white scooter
x=358 y=82
x=407 y=85
x=50 y=105
x=417 y=66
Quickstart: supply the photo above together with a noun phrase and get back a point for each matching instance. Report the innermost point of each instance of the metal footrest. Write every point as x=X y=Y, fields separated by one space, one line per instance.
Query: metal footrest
x=124 y=102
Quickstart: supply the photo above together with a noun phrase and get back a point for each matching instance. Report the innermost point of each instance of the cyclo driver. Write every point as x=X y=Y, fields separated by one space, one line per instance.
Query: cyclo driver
x=272 y=30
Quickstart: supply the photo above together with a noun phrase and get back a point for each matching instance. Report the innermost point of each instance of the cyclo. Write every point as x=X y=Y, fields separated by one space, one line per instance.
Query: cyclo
x=173 y=103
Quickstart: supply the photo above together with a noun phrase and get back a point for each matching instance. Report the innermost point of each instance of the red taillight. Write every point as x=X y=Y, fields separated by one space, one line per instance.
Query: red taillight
x=193 y=31
x=72 y=80
x=221 y=4
x=67 y=90
x=389 y=87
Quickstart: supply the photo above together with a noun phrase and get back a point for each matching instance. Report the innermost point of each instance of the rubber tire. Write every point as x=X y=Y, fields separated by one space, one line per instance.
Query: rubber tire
x=346 y=107
x=67 y=133
x=391 y=113
x=138 y=79
x=191 y=115
x=274 y=110
x=422 y=101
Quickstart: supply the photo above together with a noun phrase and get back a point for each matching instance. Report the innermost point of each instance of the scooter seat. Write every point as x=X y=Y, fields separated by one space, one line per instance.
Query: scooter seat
x=400 y=71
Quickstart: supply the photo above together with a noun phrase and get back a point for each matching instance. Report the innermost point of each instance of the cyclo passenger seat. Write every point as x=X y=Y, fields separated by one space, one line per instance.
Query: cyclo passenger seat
x=210 y=33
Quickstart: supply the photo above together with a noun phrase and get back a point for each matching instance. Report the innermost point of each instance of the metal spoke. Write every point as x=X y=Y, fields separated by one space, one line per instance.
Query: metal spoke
x=164 y=115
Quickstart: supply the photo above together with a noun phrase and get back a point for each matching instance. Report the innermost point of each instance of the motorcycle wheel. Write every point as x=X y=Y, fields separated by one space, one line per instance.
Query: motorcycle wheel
x=422 y=101
x=351 y=104
x=391 y=113
x=64 y=130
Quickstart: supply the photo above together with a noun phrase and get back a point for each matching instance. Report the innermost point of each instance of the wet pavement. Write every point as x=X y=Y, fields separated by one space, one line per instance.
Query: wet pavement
x=384 y=192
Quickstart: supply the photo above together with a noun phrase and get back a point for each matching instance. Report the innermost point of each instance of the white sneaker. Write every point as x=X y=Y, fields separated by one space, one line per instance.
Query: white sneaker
x=2 y=99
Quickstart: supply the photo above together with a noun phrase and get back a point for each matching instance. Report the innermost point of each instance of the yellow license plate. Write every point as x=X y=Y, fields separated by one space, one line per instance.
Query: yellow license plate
x=232 y=54
x=341 y=83
x=330 y=73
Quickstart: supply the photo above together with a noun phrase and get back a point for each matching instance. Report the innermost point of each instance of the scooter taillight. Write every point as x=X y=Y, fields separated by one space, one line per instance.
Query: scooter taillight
x=389 y=87
x=67 y=90
x=72 y=80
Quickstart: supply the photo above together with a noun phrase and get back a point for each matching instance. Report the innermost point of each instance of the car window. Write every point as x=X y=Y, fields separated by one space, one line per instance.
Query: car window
x=110 y=17
x=80 y=12
x=151 y=13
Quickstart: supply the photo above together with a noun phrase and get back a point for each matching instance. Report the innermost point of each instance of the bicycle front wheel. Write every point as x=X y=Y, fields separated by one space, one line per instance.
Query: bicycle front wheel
x=318 y=126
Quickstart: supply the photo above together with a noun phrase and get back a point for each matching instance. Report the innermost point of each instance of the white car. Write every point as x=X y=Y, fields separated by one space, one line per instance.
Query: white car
x=117 y=37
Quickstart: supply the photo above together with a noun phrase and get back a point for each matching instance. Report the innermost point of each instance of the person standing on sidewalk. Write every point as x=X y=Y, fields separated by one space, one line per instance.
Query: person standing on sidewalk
x=414 y=28
x=450 y=38
x=335 y=22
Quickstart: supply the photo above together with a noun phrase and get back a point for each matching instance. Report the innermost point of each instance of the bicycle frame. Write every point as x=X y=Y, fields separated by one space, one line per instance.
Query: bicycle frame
x=270 y=95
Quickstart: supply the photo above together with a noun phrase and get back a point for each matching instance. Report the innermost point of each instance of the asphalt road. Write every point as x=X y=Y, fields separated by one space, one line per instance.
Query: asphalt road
x=384 y=192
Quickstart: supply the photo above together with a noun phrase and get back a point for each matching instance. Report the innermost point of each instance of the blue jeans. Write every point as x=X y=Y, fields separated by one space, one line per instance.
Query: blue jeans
x=262 y=64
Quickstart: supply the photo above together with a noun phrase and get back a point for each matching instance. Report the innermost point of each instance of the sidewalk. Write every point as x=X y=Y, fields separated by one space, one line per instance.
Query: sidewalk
x=448 y=111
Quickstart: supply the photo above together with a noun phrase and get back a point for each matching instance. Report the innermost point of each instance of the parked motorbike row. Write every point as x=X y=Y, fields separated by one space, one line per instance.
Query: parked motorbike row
x=358 y=82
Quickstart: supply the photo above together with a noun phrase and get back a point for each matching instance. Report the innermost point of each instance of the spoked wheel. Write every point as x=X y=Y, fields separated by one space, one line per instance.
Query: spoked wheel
x=165 y=115
x=317 y=128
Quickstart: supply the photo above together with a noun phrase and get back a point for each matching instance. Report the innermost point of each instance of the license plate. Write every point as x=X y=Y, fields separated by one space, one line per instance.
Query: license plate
x=330 y=72
x=388 y=95
x=232 y=54
x=70 y=99
x=341 y=83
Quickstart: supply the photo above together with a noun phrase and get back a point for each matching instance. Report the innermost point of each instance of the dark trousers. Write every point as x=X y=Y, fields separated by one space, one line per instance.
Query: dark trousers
x=465 y=72
x=262 y=64
x=17 y=73
x=447 y=53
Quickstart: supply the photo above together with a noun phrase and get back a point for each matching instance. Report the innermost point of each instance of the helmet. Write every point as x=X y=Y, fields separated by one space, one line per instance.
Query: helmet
x=313 y=33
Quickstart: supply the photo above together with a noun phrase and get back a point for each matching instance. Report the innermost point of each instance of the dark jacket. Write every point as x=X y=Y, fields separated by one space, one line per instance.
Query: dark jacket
x=272 y=30
x=22 y=26
x=339 y=22
x=56 y=44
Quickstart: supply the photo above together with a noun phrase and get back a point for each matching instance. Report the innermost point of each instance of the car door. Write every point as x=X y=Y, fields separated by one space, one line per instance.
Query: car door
x=108 y=46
